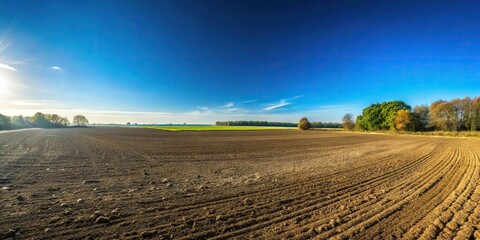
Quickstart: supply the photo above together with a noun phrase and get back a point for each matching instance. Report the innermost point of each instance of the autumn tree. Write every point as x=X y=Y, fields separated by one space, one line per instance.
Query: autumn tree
x=347 y=122
x=304 y=124
x=474 y=120
x=442 y=115
x=80 y=120
x=420 y=118
x=403 y=120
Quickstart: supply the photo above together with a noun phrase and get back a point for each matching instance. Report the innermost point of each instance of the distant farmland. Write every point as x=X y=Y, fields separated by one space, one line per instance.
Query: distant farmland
x=216 y=128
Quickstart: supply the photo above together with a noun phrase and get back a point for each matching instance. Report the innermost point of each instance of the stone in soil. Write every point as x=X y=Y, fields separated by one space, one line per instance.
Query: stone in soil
x=102 y=219
x=97 y=214
x=165 y=180
x=89 y=181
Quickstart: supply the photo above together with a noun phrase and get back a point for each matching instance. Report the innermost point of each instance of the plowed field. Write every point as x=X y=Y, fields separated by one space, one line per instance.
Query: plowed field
x=130 y=183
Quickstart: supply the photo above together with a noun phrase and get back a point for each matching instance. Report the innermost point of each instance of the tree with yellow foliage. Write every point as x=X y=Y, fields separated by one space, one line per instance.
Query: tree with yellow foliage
x=403 y=120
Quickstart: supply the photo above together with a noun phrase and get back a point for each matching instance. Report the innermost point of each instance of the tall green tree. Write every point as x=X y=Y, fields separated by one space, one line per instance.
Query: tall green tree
x=381 y=116
x=390 y=111
x=359 y=123
x=372 y=118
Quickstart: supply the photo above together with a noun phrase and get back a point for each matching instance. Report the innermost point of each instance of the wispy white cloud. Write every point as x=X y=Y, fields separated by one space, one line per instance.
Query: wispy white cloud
x=4 y=45
x=5 y=66
x=282 y=103
x=227 y=108
x=297 y=97
x=204 y=108
x=337 y=108
x=229 y=105
x=249 y=101
x=57 y=68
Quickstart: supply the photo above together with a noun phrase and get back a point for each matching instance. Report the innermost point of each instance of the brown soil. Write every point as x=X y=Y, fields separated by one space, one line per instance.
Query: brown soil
x=131 y=183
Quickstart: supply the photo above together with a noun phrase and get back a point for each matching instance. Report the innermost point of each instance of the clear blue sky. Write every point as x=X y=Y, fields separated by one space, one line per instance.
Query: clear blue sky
x=202 y=61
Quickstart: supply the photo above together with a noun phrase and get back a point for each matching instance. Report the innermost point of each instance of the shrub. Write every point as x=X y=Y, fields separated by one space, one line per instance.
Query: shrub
x=304 y=124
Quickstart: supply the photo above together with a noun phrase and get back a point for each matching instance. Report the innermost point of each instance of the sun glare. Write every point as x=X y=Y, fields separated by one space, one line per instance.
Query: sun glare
x=5 y=86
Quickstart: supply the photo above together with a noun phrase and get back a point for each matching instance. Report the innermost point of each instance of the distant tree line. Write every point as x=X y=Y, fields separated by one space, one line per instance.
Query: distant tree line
x=40 y=120
x=278 y=124
x=255 y=123
x=325 y=125
x=455 y=115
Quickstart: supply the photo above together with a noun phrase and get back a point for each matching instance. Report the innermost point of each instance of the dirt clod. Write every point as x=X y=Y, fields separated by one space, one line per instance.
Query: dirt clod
x=9 y=234
x=148 y=234
x=20 y=198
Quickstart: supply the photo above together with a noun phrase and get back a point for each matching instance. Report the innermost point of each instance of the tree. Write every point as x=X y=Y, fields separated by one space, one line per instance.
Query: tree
x=56 y=120
x=304 y=124
x=458 y=117
x=442 y=115
x=381 y=116
x=389 y=112
x=359 y=124
x=467 y=105
x=475 y=114
x=420 y=118
x=403 y=120
x=80 y=120
x=18 y=122
x=5 y=122
x=40 y=120
x=347 y=122
x=372 y=117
